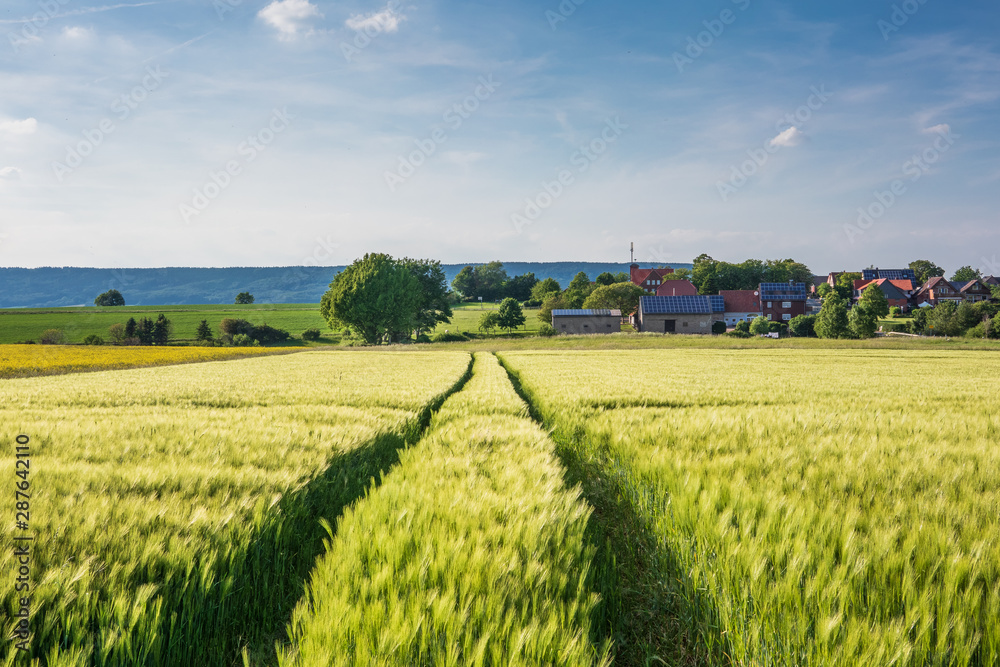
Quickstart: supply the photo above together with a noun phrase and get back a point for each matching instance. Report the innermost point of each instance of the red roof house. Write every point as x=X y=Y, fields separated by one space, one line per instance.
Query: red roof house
x=676 y=288
x=741 y=305
x=648 y=279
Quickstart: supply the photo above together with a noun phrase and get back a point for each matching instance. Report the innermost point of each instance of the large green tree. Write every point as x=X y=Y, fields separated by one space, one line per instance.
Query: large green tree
x=845 y=284
x=519 y=287
x=244 y=299
x=873 y=300
x=617 y=296
x=606 y=278
x=110 y=298
x=432 y=306
x=375 y=297
x=942 y=320
x=554 y=301
x=965 y=274
x=832 y=319
x=925 y=270
x=465 y=282
x=861 y=322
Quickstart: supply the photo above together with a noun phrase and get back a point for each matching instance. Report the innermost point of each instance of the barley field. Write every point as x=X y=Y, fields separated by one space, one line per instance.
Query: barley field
x=177 y=510
x=477 y=557
x=803 y=507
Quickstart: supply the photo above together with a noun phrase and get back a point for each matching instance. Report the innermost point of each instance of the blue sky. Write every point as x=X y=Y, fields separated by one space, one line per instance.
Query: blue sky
x=245 y=132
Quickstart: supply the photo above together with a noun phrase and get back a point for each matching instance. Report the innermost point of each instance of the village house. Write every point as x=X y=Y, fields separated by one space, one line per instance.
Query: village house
x=780 y=302
x=975 y=290
x=740 y=306
x=676 y=288
x=679 y=314
x=649 y=279
x=589 y=321
x=937 y=290
x=904 y=276
x=894 y=291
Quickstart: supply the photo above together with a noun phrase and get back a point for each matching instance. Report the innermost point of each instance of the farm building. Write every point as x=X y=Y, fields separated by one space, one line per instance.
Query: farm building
x=587 y=321
x=679 y=314
x=781 y=302
x=648 y=279
x=676 y=288
x=742 y=305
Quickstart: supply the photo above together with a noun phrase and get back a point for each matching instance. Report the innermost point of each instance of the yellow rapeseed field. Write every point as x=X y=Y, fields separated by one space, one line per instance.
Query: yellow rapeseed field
x=31 y=360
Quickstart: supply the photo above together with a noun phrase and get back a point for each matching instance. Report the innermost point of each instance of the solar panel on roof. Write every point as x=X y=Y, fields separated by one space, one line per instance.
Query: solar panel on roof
x=676 y=304
x=890 y=274
x=783 y=291
x=578 y=312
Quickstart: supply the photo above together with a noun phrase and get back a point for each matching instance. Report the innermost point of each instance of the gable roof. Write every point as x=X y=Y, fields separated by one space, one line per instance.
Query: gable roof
x=589 y=312
x=971 y=285
x=681 y=305
x=891 y=274
x=741 y=301
x=888 y=287
x=676 y=288
x=991 y=280
x=639 y=276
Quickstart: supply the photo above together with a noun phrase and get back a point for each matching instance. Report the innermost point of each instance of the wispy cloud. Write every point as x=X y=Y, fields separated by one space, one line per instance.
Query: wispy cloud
x=82 y=11
x=10 y=173
x=288 y=17
x=790 y=137
x=387 y=20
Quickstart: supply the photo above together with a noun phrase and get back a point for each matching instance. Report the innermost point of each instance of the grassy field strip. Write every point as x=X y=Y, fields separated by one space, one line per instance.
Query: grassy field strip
x=472 y=552
x=18 y=361
x=820 y=508
x=177 y=510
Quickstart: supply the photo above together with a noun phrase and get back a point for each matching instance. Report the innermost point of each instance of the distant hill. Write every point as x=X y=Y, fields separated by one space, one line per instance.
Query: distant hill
x=71 y=286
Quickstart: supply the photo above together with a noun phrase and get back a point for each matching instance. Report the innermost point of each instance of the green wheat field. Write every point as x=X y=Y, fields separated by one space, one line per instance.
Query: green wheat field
x=766 y=506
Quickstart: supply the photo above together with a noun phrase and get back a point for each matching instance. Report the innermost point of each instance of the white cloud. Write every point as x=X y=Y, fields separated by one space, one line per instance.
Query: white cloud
x=790 y=137
x=387 y=20
x=464 y=158
x=26 y=126
x=77 y=32
x=288 y=17
x=942 y=128
x=10 y=173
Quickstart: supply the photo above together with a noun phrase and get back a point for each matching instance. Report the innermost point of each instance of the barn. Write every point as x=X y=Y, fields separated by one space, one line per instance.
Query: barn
x=680 y=314
x=587 y=321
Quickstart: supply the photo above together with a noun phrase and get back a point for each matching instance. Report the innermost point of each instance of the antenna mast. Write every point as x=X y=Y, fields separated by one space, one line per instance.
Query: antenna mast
x=632 y=252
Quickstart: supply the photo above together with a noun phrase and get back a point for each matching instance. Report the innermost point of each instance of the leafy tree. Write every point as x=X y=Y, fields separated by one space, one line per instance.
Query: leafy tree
x=683 y=273
x=266 y=334
x=873 y=300
x=311 y=334
x=433 y=307
x=719 y=327
x=375 y=296
x=544 y=288
x=943 y=320
x=465 y=282
x=110 y=298
x=617 y=296
x=823 y=290
x=606 y=278
x=832 y=319
x=519 y=287
x=803 y=326
x=144 y=331
x=554 y=301
x=760 y=326
x=703 y=274
x=116 y=332
x=93 y=339
x=204 y=331
x=920 y=317
x=489 y=321
x=966 y=316
x=490 y=279
x=862 y=322
x=510 y=316
x=578 y=291
x=742 y=327
x=244 y=298
x=131 y=327
x=996 y=291
x=232 y=326
x=925 y=270
x=895 y=312
x=965 y=274
x=845 y=285
x=546 y=329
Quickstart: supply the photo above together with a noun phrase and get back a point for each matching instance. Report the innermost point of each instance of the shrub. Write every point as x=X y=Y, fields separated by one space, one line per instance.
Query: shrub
x=533 y=303
x=423 y=338
x=93 y=339
x=737 y=333
x=803 y=326
x=310 y=334
x=546 y=330
x=242 y=340
x=760 y=326
x=449 y=337
x=52 y=337
x=116 y=332
x=233 y=326
x=266 y=334
x=718 y=327
x=895 y=311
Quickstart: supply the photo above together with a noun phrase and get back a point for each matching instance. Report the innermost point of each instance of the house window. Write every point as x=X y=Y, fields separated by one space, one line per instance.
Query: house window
x=769 y=316
x=768 y=304
x=685 y=324
x=786 y=316
x=786 y=304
